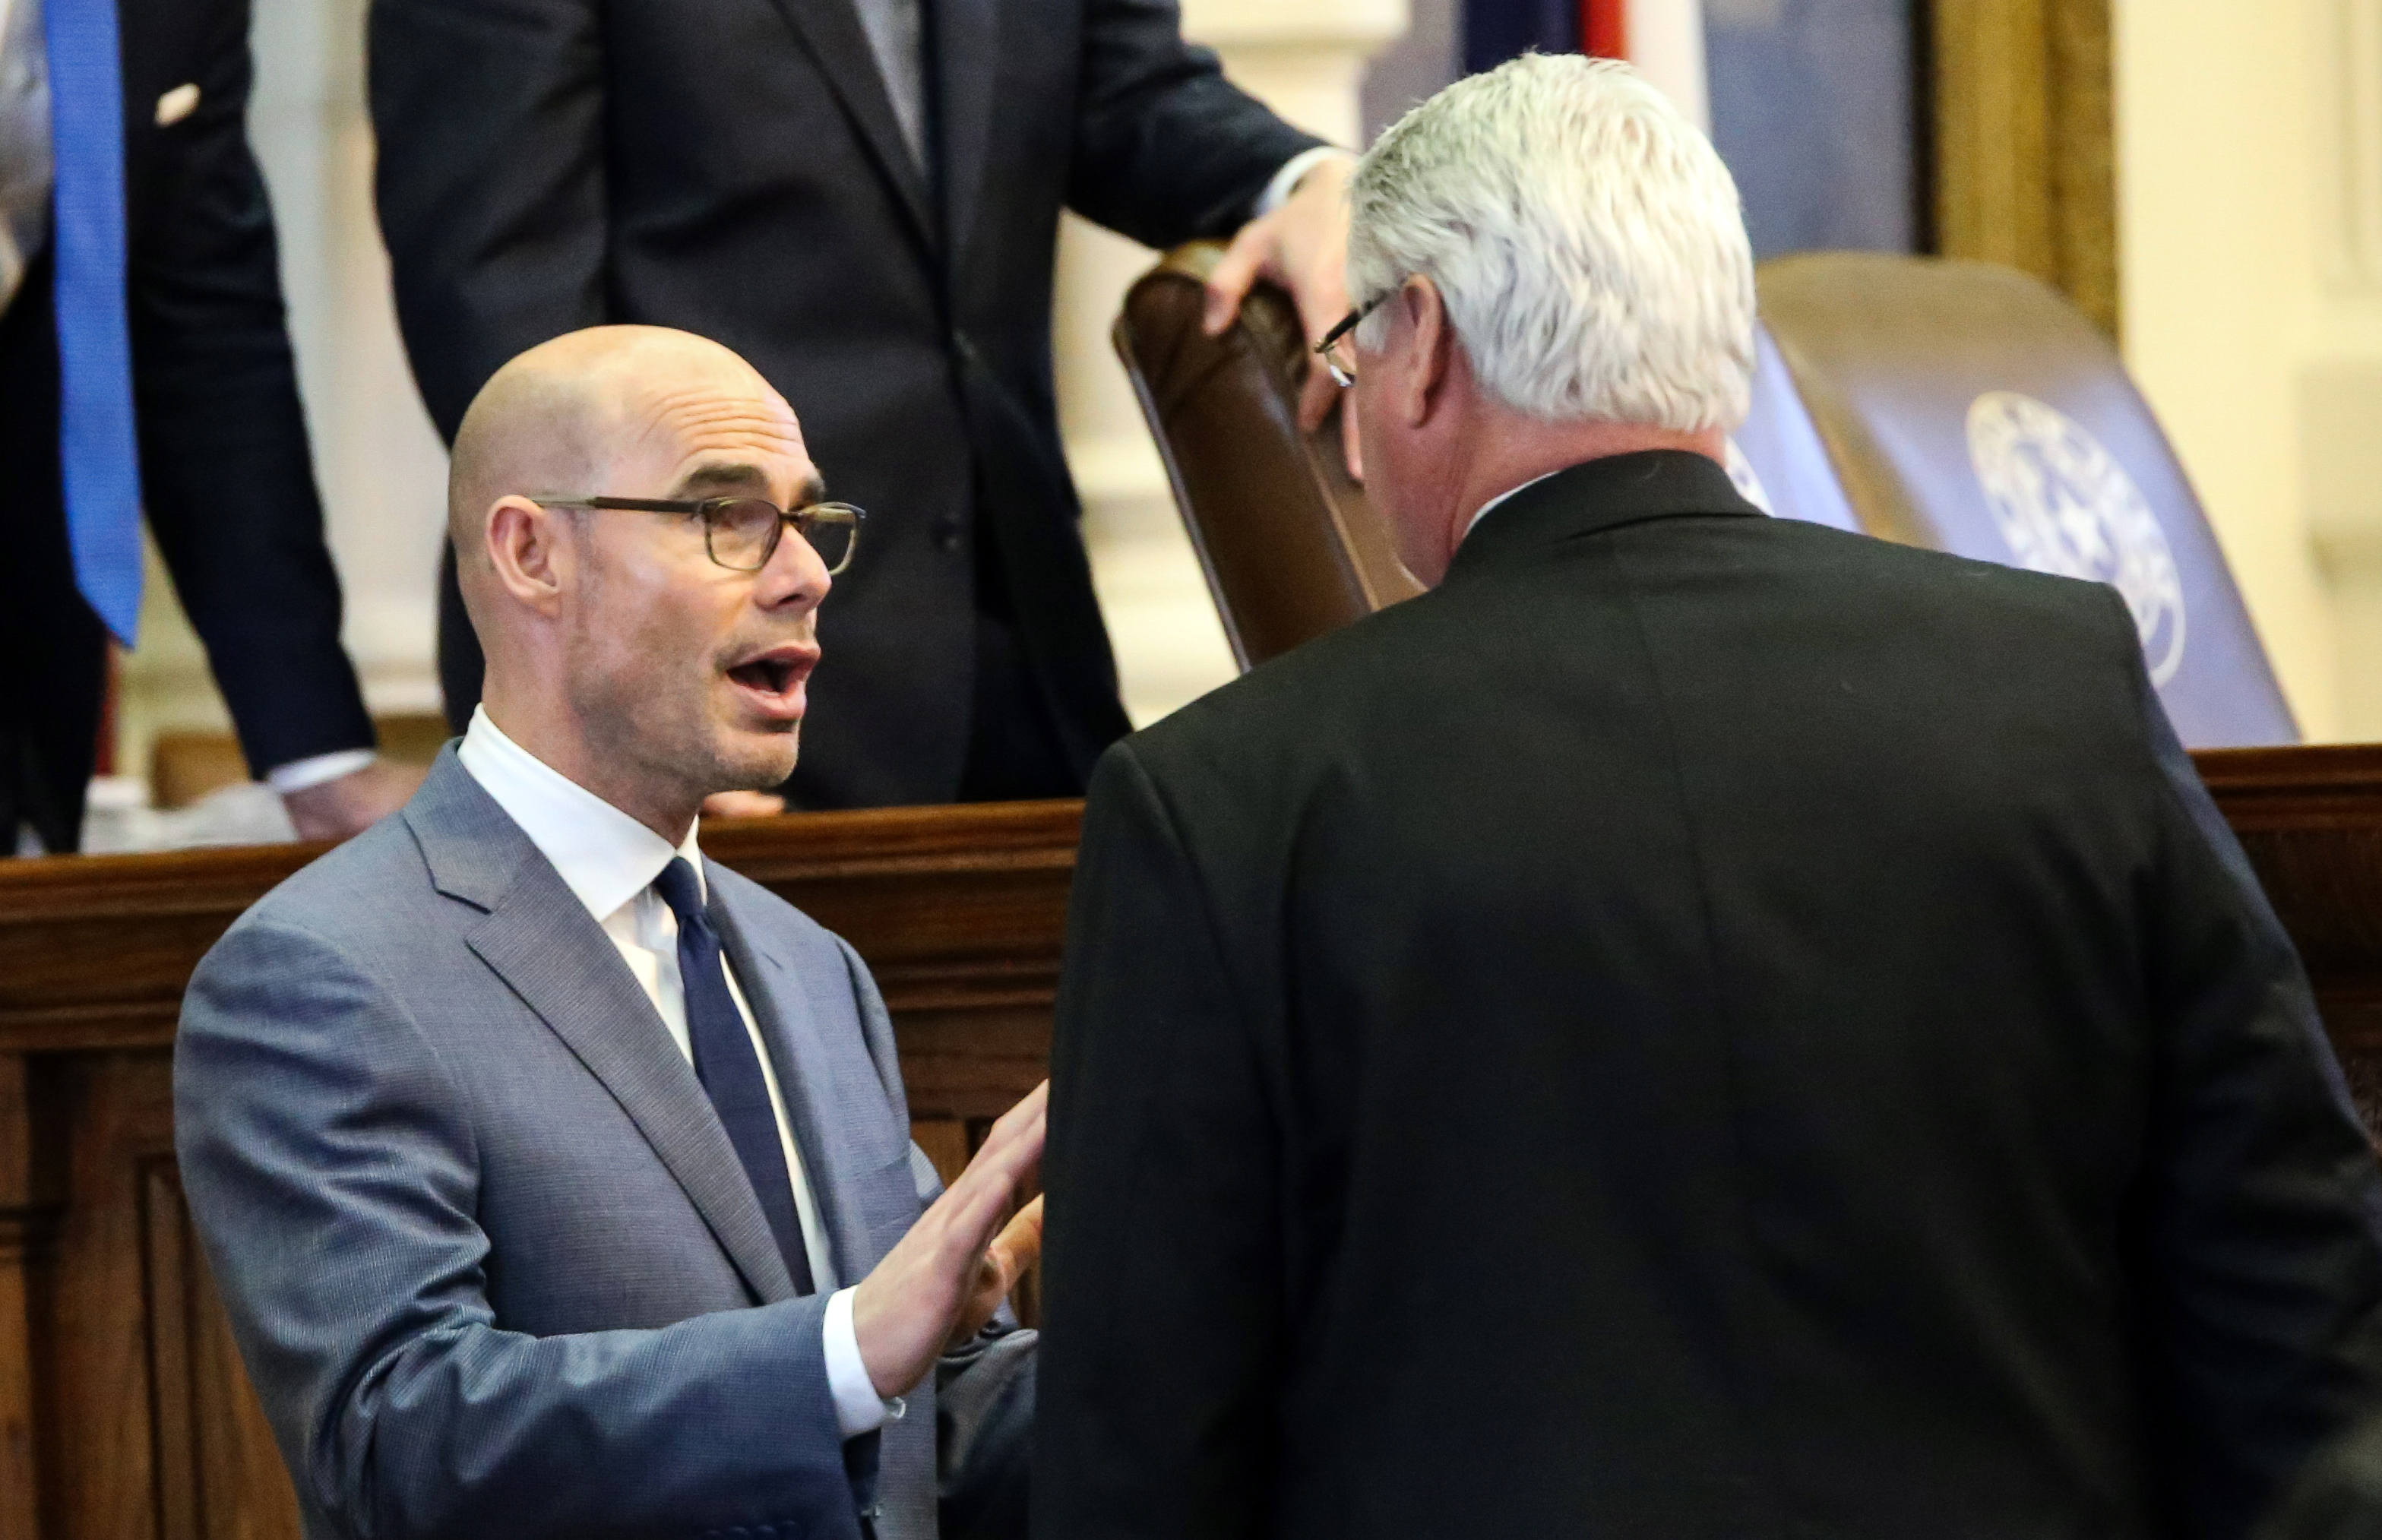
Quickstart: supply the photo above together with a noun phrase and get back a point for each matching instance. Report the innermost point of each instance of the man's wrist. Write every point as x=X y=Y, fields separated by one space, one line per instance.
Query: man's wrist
x=858 y=1408
x=1294 y=171
x=301 y=774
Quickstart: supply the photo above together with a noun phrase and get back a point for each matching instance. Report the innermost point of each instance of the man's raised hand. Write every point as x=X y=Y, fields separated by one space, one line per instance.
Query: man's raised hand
x=927 y=1291
x=1303 y=246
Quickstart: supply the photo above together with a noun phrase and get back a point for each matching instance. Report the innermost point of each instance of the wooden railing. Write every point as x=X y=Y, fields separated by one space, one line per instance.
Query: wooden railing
x=123 y=1411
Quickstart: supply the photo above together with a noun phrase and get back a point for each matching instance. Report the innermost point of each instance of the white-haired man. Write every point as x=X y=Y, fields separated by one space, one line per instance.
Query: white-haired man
x=1698 y=1026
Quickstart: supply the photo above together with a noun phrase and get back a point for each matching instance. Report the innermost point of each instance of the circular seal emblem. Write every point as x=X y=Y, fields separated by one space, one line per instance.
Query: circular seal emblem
x=2067 y=506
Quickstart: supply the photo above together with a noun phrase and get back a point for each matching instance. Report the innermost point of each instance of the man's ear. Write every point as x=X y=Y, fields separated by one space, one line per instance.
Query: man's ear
x=530 y=548
x=1430 y=358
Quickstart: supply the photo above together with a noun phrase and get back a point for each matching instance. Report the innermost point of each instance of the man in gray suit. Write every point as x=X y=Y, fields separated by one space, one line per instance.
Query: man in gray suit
x=557 y=1180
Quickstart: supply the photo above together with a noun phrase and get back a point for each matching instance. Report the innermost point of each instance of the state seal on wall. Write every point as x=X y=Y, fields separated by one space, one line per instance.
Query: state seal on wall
x=2065 y=506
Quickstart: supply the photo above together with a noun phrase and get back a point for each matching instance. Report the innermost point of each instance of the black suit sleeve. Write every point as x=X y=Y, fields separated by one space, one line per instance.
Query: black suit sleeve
x=1161 y=1264
x=1166 y=148
x=2261 y=1214
x=490 y=183
x=228 y=482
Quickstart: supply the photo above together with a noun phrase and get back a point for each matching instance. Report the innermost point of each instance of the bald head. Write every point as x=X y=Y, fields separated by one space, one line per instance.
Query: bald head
x=553 y=419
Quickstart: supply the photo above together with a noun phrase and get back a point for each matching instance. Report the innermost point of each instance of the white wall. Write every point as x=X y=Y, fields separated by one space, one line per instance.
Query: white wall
x=2252 y=319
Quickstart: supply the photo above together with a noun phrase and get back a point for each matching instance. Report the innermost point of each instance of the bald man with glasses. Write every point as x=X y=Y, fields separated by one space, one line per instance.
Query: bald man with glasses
x=557 y=1180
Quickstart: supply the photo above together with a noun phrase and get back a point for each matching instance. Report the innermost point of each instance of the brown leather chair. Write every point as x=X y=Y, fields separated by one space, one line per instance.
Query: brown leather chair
x=1970 y=409
x=1290 y=548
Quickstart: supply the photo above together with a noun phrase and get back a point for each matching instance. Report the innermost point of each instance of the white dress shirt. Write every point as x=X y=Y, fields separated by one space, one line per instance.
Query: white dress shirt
x=610 y=861
x=1284 y=182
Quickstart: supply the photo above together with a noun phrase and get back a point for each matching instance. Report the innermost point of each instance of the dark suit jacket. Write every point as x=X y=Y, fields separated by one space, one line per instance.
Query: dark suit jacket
x=227 y=481
x=733 y=168
x=1701 y=1026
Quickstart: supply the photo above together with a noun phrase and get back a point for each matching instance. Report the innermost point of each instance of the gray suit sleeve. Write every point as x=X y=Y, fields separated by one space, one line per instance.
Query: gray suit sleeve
x=330 y=1162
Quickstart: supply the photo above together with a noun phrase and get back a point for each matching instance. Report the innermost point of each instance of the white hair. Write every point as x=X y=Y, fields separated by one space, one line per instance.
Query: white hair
x=1586 y=238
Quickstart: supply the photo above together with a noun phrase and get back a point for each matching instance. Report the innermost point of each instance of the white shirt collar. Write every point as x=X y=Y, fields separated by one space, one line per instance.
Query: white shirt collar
x=1509 y=491
x=604 y=856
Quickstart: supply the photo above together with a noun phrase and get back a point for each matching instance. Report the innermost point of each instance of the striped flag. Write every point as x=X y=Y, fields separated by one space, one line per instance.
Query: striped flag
x=1663 y=38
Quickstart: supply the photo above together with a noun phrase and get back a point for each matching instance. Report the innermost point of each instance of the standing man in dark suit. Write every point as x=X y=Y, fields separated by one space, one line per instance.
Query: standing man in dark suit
x=143 y=363
x=862 y=197
x=557 y=1180
x=1700 y=1025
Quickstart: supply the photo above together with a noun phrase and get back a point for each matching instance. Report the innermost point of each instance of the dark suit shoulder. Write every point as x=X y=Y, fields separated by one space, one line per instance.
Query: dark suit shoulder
x=1833 y=597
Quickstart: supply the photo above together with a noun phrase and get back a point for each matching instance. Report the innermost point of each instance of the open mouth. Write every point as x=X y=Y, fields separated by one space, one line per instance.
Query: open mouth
x=770 y=675
x=775 y=677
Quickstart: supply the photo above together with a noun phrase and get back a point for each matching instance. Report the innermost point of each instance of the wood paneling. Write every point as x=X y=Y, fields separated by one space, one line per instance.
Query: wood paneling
x=2025 y=168
x=2311 y=821
x=123 y=1412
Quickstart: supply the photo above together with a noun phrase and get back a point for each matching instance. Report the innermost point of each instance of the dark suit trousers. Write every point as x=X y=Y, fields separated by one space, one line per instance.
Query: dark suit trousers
x=53 y=649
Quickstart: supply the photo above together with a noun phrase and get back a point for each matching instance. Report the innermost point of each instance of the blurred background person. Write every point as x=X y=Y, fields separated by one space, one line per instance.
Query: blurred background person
x=862 y=199
x=144 y=364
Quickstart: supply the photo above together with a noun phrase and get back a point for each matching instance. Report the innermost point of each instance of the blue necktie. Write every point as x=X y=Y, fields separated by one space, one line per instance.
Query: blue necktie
x=729 y=1069
x=98 y=455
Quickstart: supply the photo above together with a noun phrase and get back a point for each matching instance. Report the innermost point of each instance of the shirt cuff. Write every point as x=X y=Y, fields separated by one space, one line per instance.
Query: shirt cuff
x=1287 y=179
x=858 y=1408
x=300 y=773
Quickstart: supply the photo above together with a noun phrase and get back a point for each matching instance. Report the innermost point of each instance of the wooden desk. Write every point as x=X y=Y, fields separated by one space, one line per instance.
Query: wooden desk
x=123 y=1412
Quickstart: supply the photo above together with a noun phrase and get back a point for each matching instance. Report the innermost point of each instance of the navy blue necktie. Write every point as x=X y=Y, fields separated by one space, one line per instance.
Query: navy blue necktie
x=729 y=1069
x=98 y=455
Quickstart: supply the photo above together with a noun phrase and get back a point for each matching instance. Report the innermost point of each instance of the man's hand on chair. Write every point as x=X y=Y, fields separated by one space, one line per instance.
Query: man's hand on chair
x=1303 y=246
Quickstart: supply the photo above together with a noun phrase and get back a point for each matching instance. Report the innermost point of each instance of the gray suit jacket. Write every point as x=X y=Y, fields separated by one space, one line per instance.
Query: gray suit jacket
x=487 y=1251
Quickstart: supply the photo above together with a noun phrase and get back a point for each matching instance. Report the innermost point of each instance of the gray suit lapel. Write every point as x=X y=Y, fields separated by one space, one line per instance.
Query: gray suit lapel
x=859 y=1171
x=542 y=942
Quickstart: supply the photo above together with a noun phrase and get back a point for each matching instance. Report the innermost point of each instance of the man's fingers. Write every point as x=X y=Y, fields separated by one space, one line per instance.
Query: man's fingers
x=1019 y=1245
x=1023 y=1121
x=1012 y=1151
x=1236 y=271
x=977 y=1216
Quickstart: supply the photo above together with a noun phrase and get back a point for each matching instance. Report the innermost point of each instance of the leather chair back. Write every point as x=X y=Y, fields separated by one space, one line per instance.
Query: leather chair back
x=1970 y=409
x=1290 y=548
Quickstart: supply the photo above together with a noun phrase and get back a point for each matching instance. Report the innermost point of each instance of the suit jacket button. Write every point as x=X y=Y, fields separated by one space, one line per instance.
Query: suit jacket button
x=947 y=534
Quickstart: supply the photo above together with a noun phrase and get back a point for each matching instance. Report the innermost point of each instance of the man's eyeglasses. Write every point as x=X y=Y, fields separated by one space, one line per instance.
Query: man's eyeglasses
x=1338 y=348
x=742 y=533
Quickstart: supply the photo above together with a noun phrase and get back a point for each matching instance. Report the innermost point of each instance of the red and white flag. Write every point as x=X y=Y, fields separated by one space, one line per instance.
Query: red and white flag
x=1663 y=38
